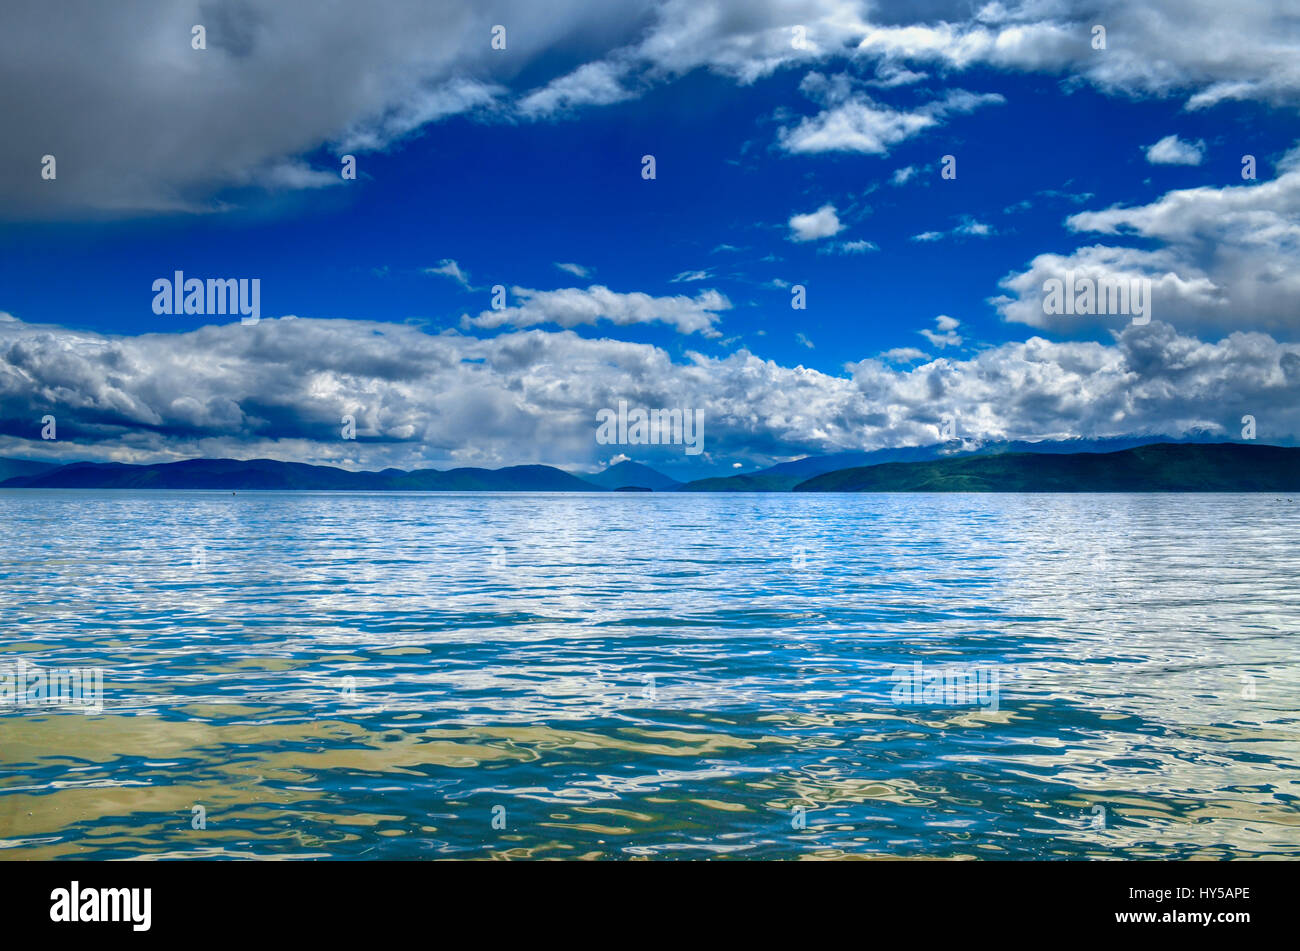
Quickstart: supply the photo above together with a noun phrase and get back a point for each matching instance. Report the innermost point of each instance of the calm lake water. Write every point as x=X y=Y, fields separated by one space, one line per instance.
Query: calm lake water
x=652 y=676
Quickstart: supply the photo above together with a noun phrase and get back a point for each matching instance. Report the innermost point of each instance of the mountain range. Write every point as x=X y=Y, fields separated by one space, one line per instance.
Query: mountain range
x=1008 y=467
x=270 y=474
x=1161 y=467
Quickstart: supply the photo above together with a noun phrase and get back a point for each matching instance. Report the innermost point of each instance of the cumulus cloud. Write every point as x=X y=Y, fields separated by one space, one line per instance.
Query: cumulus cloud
x=822 y=223
x=278 y=389
x=1172 y=150
x=851 y=121
x=1149 y=380
x=572 y=306
x=1224 y=258
x=946 y=333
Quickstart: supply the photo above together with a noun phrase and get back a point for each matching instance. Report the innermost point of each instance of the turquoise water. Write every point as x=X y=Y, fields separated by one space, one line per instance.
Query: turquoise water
x=664 y=676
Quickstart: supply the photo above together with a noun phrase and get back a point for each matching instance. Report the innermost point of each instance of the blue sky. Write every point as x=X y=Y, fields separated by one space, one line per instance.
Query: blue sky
x=909 y=311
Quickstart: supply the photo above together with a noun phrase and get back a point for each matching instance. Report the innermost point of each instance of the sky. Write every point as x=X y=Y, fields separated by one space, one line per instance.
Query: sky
x=912 y=173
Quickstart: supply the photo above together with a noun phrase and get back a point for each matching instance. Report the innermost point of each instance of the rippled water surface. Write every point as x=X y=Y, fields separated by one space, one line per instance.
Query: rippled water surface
x=664 y=676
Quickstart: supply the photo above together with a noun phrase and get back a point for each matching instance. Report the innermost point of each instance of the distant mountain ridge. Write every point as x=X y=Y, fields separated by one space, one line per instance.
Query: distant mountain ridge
x=1161 y=467
x=1156 y=467
x=253 y=474
x=784 y=476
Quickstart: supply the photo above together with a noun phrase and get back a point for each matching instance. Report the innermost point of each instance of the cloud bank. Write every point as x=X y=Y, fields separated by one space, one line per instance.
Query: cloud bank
x=280 y=388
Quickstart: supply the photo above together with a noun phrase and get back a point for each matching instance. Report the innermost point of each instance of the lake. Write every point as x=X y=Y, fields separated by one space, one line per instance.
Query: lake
x=430 y=675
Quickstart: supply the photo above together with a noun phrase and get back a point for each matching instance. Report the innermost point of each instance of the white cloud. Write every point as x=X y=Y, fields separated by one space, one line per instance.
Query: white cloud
x=889 y=75
x=1223 y=258
x=903 y=175
x=292 y=175
x=851 y=121
x=418 y=109
x=1174 y=296
x=1172 y=150
x=1209 y=50
x=965 y=227
x=904 y=355
x=743 y=39
x=577 y=270
x=278 y=390
x=1222 y=92
x=946 y=335
x=593 y=84
x=686 y=277
x=573 y=306
x=822 y=223
x=970 y=226
x=449 y=268
x=859 y=246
